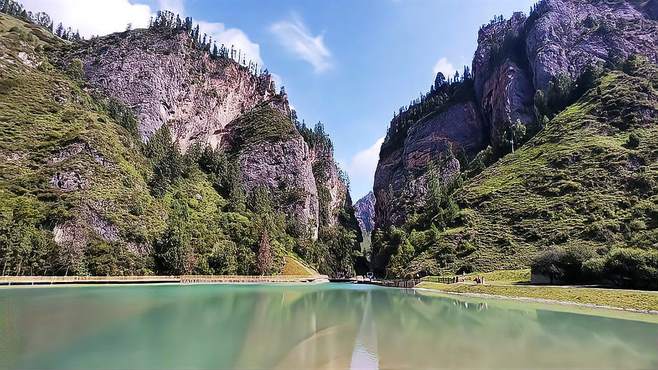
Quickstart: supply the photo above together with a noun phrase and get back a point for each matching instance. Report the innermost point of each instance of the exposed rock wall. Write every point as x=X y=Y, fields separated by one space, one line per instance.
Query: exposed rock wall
x=364 y=210
x=564 y=36
x=332 y=190
x=503 y=84
x=400 y=178
x=284 y=166
x=513 y=60
x=165 y=79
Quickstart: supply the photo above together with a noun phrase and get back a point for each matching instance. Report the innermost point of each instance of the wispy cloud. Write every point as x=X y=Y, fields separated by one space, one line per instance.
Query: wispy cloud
x=296 y=38
x=444 y=66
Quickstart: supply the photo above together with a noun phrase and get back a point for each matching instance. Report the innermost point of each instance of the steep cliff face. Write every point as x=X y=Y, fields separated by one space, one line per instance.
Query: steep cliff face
x=401 y=175
x=364 y=210
x=137 y=153
x=272 y=154
x=513 y=60
x=165 y=79
x=564 y=36
x=503 y=87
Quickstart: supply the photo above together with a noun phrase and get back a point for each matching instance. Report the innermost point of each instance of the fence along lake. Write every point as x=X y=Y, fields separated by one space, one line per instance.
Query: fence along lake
x=318 y=326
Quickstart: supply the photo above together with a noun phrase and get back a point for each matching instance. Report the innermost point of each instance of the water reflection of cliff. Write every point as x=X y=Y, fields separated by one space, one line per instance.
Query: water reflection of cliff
x=310 y=327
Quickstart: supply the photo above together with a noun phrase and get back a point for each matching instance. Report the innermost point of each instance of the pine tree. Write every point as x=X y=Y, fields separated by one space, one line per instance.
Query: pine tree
x=60 y=30
x=516 y=133
x=6 y=6
x=195 y=34
x=439 y=81
x=265 y=257
x=215 y=52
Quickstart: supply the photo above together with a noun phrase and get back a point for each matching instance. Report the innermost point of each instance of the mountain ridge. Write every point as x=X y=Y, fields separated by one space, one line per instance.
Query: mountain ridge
x=132 y=179
x=526 y=71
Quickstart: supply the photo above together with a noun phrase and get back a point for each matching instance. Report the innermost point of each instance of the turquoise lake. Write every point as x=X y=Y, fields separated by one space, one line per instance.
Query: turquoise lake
x=322 y=326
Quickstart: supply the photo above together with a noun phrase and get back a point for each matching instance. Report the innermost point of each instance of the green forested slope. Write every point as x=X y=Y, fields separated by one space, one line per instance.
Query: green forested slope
x=582 y=188
x=81 y=194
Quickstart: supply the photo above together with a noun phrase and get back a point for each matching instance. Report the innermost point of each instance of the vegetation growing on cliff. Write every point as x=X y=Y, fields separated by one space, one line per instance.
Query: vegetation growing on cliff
x=81 y=194
x=443 y=93
x=585 y=186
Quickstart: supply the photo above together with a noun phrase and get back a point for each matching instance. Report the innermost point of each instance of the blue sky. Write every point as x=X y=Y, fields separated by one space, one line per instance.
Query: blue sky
x=347 y=63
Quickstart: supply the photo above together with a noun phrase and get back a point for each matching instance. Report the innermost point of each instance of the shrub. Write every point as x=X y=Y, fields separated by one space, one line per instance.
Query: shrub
x=593 y=268
x=75 y=70
x=632 y=267
x=564 y=263
x=633 y=141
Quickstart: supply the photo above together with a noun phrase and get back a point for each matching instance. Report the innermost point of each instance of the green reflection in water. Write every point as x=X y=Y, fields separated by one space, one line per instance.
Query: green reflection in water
x=303 y=327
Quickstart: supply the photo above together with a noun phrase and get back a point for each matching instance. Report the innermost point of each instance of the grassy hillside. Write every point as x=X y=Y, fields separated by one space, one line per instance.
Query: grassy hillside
x=586 y=183
x=50 y=126
x=262 y=124
x=81 y=194
x=582 y=180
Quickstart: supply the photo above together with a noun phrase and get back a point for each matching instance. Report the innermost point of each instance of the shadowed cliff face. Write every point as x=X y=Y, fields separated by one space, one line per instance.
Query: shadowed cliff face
x=400 y=178
x=513 y=60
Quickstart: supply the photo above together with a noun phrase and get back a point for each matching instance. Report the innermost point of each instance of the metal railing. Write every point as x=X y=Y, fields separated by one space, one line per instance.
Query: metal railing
x=444 y=279
x=184 y=279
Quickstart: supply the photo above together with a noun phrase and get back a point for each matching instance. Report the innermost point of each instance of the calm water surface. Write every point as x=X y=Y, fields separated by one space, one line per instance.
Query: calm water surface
x=326 y=326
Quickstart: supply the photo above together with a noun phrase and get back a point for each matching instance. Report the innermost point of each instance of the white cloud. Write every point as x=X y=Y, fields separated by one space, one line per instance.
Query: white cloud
x=444 y=66
x=232 y=36
x=278 y=82
x=295 y=37
x=101 y=17
x=93 y=17
x=175 y=6
x=362 y=166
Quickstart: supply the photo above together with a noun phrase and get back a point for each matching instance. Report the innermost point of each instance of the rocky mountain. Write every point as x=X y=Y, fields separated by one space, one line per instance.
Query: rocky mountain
x=364 y=209
x=146 y=152
x=525 y=71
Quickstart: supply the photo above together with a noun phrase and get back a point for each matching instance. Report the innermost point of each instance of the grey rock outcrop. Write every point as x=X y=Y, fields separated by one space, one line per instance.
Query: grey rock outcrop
x=503 y=85
x=401 y=175
x=364 y=210
x=331 y=186
x=284 y=166
x=564 y=36
x=165 y=79
x=68 y=181
x=514 y=59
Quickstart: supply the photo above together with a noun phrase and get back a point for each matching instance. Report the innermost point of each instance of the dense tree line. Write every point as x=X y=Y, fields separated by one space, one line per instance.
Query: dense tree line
x=168 y=21
x=580 y=264
x=399 y=247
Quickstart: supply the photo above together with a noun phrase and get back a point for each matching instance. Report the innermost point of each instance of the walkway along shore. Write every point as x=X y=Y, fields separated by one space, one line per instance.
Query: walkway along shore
x=184 y=279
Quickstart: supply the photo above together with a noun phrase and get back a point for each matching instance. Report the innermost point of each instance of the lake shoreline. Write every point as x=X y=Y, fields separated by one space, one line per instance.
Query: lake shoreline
x=46 y=281
x=653 y=313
